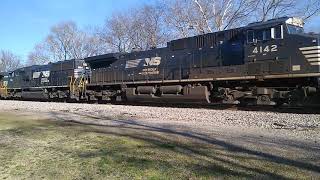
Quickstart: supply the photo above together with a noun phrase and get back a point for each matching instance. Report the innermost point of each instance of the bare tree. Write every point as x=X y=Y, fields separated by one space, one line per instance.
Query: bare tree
x=85 y=44
x=61 y=40
x=219 y=15
x=40 y=55
x=205 y=16
x=157 y=32
x=181 y=20
x=56 y=46
x=148 y=27
x=310 y=8
x=142 y=28
x=115 y=32
x=9 y=61
x=268 y=9
x=64 y=42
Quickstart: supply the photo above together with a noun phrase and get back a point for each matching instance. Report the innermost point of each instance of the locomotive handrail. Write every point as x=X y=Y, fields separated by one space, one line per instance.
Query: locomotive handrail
x=71 y=89
x=3 y=89
x=74 y=86
x=82 y=84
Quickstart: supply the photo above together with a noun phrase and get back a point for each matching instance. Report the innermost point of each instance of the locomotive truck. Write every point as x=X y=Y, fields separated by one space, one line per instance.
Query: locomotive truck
x=264 y=63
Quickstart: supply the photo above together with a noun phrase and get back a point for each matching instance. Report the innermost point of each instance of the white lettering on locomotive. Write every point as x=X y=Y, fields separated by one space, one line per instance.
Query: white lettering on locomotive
x=266 y=49
x=153 y=61
x=45 y=74
x=149 y=71
x=36 y=75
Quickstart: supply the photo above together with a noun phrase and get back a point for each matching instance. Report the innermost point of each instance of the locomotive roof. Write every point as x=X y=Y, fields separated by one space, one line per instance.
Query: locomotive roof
x=105 y=60
x=3 y=74
x=276 y=21
x=40 y=67
x=103 y=57
x=33 y=67
x=102 y=60
x=69 y=60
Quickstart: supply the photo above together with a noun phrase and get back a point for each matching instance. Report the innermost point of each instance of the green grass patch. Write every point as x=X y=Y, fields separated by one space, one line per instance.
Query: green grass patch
x=36 y=148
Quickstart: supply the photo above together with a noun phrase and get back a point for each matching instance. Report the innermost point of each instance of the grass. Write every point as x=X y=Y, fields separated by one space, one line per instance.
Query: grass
x=35 y=148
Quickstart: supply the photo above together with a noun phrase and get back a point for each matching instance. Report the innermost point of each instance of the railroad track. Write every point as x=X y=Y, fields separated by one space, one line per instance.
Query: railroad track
x=279 y=109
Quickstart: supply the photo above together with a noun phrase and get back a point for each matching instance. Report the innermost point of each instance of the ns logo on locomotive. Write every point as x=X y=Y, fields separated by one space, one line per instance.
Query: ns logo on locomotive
x=264 y=63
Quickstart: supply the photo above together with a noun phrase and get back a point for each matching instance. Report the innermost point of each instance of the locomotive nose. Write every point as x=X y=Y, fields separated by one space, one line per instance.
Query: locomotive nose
x=316 y=40
x=312 y=52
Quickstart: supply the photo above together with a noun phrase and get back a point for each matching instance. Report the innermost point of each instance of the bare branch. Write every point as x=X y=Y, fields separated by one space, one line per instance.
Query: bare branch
x=64 y=42
x=9 y=61
x=141 y=28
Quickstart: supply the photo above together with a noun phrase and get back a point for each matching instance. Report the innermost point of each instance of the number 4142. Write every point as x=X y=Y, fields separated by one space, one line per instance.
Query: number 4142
x=272 y=48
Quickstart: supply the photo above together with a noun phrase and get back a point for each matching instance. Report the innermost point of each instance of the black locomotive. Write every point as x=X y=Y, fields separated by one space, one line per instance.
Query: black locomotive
x=264 y=63
x=63 y=80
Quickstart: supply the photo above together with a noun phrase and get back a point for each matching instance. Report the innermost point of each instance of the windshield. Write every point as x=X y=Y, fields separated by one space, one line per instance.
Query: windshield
x=295 y=29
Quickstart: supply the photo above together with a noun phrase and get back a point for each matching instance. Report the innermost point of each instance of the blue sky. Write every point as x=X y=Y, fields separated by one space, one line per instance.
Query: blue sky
x=24 y=23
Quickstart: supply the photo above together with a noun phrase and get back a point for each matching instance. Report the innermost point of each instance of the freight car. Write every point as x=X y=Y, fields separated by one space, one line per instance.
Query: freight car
x=264 y=63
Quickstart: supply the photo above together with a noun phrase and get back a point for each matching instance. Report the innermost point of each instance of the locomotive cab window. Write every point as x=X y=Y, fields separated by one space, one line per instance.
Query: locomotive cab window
x=267 y=34
x=277 y=32
x=259 y=35
x=250 y=36
x=295 y=29
x=263 y=35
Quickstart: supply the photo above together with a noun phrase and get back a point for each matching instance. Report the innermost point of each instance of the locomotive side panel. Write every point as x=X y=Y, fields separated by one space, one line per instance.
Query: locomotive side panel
x=262 y=63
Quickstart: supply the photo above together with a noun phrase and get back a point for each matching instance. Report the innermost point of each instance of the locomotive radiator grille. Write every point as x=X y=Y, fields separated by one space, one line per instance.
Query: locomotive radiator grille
x=312 y=54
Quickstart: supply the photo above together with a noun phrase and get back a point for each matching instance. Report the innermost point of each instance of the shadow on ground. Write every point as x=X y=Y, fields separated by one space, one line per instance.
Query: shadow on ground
x=197 y=154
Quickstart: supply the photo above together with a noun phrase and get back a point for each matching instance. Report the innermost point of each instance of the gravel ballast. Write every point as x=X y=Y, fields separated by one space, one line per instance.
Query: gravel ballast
x=304 y=126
